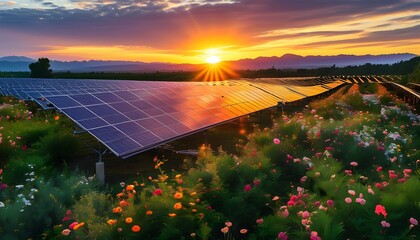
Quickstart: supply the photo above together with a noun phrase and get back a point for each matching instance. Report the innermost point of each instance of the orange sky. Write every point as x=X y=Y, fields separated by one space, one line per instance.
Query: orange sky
x=189 y=31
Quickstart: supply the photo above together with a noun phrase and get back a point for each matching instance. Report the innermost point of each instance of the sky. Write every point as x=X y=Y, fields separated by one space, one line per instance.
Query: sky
x=191 y=31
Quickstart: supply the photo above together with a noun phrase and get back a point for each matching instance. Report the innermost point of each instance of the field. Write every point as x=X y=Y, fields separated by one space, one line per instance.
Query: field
x=343 y=167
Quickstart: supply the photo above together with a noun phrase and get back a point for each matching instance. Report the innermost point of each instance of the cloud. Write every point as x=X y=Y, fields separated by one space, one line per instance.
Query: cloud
x=188 y=25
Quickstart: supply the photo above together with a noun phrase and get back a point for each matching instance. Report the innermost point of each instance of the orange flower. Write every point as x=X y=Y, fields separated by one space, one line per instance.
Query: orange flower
x=149 y=212
x=120 y=194
x=56 y=118
x=135 y=228
x=178 y=176
x=129 y=188
x=129 y=220
x=172 y=214
x=178 y=195
x=194 y=210
x=111 y=221
x=123 y=203
x=178 y=206
x=117 y=210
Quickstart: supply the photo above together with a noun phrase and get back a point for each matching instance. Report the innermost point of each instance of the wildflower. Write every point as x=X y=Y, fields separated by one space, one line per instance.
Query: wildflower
x=66 y=232
x=330 y=202
x=414 y=221
x=172 y=214
x=351 y=192
x=135 y=228
x=122 y=184
x=79 y=225
x=228 y=224
x=305 y=214
x=362 y=201
x=178 y=206
x=354 y=164
x=158 y=192
x=247 y=188
x=178 y=195
x=149 y=212
x=379 y=169
x=348 y=172
x=385 y=224
x=282 y=236
x=257 y=182
x=193 y=234
x=129 y=188
x=276 y=141
x=117 y=210
x=348 y=200
x=129 y=220
x=379 y=209
x=285 y=212
x=73 y=224
x=243 y=231
x=111 y=221
x=303 y=179
x=275 y=198
x=224 y=230
x=1 y=204
x=370 y=190
x=178 y=176
x=3 y=186
x=260 y=221
x=123 y=203
x=56 y=118
x=314 y=236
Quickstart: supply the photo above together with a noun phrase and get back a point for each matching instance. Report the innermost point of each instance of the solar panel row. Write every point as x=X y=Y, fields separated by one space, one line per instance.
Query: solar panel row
x=131 y=116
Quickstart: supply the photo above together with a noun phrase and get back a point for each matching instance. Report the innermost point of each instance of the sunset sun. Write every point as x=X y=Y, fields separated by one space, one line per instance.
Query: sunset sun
x=213 y=59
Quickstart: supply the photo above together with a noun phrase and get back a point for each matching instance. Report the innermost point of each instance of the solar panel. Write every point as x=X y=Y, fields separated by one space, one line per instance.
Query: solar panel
x=131 y=116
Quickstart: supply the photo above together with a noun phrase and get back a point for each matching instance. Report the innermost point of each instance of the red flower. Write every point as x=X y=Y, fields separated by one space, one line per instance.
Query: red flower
x=158 y=191
x=379 y=209
x=247 y=188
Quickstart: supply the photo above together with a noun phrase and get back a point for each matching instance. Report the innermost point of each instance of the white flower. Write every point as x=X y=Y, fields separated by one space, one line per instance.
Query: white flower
x=1 y=204
x=19 y=186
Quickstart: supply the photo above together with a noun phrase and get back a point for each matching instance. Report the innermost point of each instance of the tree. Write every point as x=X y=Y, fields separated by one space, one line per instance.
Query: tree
x=41 y=68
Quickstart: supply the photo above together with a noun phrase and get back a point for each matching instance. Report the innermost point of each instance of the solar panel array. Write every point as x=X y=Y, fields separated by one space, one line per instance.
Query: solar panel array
x=132 y=116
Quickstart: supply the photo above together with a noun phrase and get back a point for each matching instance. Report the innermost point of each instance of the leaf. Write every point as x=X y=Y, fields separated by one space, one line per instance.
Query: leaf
x=204 y=231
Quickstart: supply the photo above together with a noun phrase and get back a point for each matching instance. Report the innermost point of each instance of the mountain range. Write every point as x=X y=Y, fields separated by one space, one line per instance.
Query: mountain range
x=287 y=61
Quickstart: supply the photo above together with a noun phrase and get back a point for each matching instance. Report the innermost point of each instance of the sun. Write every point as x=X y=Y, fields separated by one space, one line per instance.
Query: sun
x=212 y=59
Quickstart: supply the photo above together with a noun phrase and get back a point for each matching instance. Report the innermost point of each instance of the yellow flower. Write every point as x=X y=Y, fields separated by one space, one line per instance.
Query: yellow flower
x=178 y=195
x=111 y=221
x=178 y=206
x=172 y=214
x=129 y=220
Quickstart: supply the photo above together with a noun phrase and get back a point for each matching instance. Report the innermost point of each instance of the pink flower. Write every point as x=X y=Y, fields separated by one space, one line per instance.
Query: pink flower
x=285 y=213
x=330 y=202
x=351 y=192
x=243 y=231
x=329 y=148
x=228 y=224
x=257 y=182
x=414 y=221
x=158 y=192
x=259 y=221
x=247 y=188
x=348 y=172
x=379 y=209
x=282 y=236
x=379 y=169
x=66 y=232
x=3 y=186
x=348 y=200
x=385 y=224
x=275 y=198
x=316 y=204
x=314 y=236
x=354 y=164
x=73 y=224
x=224 y=230
x=371 y=191
x=276 y=141
x=305 y=214
x=303 y=179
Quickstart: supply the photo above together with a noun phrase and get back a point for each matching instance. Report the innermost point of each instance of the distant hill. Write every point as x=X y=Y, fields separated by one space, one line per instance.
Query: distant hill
x=287 y=61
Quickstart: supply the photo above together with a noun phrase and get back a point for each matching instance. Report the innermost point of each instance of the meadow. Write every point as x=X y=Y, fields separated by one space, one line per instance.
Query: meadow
x=343 y=167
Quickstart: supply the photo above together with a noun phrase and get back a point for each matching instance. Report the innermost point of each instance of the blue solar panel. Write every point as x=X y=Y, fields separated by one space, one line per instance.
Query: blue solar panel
x=129 y=117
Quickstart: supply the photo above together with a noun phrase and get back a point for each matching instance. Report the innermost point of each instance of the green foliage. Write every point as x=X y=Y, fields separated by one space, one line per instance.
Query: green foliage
x=41 y=68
